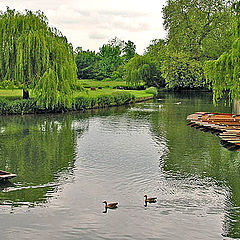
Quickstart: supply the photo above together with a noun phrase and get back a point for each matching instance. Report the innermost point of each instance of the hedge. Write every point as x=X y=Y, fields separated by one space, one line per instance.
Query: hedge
x=26 y=106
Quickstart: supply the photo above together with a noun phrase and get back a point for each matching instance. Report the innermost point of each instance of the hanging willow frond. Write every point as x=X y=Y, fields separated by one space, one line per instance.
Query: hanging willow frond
x=36 y=56
x=223 y=74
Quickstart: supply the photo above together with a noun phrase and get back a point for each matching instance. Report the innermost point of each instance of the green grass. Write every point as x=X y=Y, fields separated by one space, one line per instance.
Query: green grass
x=107 y=88
x=108 y=91
x=11 y=93
x=88 y=83
x=140 y=93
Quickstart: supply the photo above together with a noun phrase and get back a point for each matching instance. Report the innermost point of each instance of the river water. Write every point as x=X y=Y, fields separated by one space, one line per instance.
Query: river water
x=68 y=164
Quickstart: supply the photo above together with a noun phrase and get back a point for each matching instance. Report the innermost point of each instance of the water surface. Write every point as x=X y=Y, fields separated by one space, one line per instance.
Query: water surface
x=68 y=164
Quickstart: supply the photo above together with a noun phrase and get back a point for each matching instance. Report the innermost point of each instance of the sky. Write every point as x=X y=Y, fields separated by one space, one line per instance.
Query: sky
x=91 y=23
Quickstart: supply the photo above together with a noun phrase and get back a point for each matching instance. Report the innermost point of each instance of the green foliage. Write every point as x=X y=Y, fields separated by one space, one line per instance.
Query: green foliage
x=141 y=69
x=22 y=106
x=196 y=26
x=86 y=61
x=223 y=74
x=197 y=31
x=157 y=52
x=83 y=103
x=35 y=55
x=88 y=83
x=109 y=61
x=105 y=100
x=121 y=98
x=26 y=106
x=180 y=71
x=129 y=50
x=152 y=90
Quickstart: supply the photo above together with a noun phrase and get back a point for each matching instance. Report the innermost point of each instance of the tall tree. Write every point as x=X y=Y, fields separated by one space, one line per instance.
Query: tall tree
x=141 y=69
x=109 y=60
x=181 y=71
x=223 y=74
x=86 y=61
x=195 y=26
x=129 y=50
x=37 y=56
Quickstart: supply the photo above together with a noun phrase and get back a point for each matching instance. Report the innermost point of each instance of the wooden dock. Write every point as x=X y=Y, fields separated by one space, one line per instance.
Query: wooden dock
x=226 y=126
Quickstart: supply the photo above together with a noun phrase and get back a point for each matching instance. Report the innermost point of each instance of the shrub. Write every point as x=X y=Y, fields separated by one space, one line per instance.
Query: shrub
x=82 y=103
x=18 y=106
x=105 y=100
x=121 y=98
x=152 y=90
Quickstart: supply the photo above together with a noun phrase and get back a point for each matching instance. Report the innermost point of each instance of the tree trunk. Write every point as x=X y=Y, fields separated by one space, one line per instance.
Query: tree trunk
x=25 y=94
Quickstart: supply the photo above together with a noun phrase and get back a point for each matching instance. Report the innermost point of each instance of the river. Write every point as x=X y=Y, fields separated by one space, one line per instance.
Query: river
x=68 y=164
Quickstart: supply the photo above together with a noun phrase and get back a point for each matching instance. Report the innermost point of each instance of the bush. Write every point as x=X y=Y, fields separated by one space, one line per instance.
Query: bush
x=82 y=103
x=121 y=98
x=152 y=90
x=105 y=100
x=24 y=106
x=18 y=106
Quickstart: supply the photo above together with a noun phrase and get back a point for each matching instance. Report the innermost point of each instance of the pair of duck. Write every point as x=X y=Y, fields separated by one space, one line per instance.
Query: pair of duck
x=114 y=205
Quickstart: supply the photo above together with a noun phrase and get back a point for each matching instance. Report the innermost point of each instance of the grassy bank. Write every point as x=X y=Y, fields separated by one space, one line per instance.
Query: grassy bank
x=11 y=94
x=88 y=83
x=98 y=94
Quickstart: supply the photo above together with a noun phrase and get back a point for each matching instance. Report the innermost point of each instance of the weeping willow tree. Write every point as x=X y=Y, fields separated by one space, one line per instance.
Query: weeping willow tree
x=37 y=57
x=223 y=74
x=141 y=69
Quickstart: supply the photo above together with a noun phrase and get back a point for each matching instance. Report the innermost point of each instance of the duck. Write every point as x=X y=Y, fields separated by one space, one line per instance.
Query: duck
x=150 y=200
x=110 y=205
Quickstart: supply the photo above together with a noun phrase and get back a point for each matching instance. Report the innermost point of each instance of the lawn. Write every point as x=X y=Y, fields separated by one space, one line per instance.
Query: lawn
x=109 y=91
x=108 y=87
x=11 y=93
x=88 y=83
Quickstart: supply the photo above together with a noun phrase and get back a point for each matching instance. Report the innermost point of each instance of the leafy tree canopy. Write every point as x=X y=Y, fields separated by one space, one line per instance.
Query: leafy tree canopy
x=86 y=61
x=111 y=56
x=202 y=28
x=223 y=74
x=180 y=71
x=36 y=56
x=141 y=69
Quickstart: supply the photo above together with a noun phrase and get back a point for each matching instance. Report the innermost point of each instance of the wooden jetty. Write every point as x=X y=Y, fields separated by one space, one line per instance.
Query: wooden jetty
x=6 y=175
x=226 y=126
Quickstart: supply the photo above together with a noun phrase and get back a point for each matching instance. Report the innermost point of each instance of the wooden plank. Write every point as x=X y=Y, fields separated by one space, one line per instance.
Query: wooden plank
x=231 y=139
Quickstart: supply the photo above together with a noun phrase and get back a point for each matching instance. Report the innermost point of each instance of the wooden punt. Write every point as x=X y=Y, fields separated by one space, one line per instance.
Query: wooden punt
x=225 y=125
x=6 y=175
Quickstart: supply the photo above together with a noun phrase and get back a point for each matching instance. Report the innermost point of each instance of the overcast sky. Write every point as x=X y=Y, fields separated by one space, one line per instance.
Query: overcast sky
x=91 y=23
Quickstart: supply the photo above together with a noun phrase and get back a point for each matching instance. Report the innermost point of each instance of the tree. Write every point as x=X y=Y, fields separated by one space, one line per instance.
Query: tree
x=86 y=61
x=180 y=71
x=36 y=56
x=109 y=60
x=141 y=69
x=195 y=26
x=129 y=50
x=157 y=52
x=223 y=74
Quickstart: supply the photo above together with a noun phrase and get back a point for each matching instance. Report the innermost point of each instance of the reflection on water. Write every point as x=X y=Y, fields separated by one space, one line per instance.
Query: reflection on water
x=67 y=165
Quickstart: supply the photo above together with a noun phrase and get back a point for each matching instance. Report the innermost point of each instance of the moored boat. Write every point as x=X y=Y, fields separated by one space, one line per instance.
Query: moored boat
x=6 y=175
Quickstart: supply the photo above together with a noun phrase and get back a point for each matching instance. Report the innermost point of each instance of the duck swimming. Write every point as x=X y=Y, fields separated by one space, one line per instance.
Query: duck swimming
x=150 y=200
x=110 y=205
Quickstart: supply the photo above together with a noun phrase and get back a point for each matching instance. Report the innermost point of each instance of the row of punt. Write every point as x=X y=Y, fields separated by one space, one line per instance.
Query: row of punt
x=226 y=126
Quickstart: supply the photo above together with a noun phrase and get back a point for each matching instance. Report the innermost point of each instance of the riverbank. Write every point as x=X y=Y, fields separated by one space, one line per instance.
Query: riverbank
x=97 y=98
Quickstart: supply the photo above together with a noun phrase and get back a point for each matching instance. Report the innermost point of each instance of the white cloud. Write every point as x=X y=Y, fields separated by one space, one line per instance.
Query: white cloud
x=91 y=23
x=97 y=35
